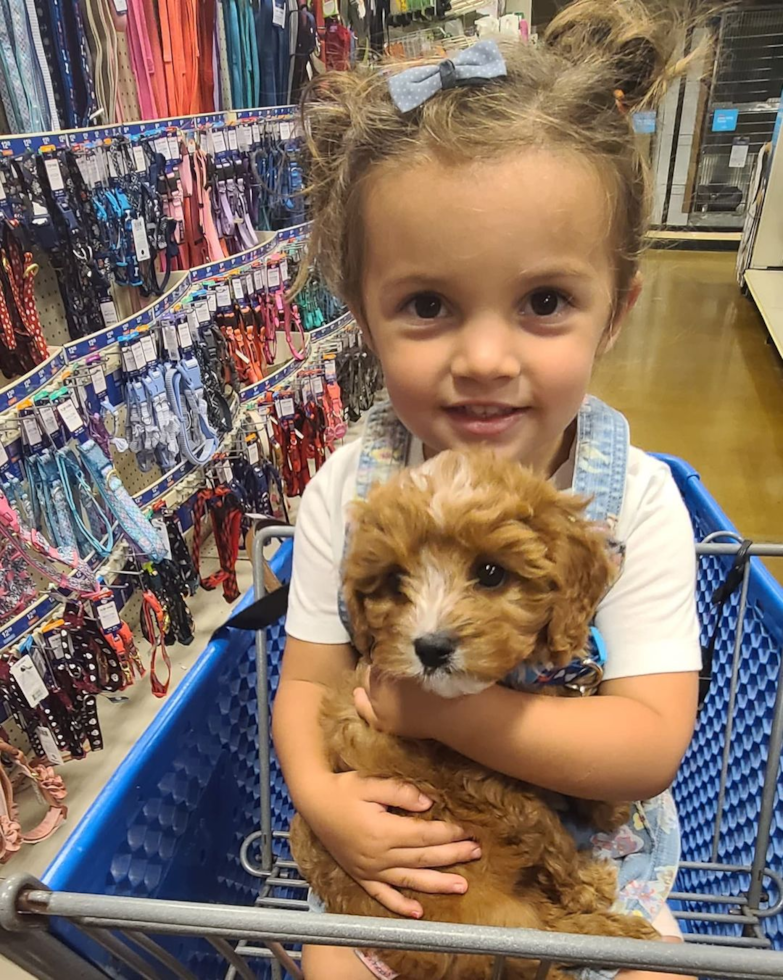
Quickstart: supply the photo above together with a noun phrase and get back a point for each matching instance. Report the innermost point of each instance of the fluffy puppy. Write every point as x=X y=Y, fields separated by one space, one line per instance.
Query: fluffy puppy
x=456 y=573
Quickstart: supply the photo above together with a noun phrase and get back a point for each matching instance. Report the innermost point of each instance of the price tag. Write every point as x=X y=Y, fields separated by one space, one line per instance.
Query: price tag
x=284 y=269
x=243 y=138
x=170 y=340
x=202 y=311
x=330 y=368
x=218 y=141
x=278 y=13
x=109 y=313
x=228 y=473
x=49 y=746
x=162 y=146
x=39 y=211
x=318 y=384
x=192 y=322
x=70 y=416
x=285 y=130
x=55 y=642
x=183 y=332
x=32 y=433
x=3 y=456
x=54 y=174
x=233 y=143
x=137 y=353
x=174 y=152
x=238 y=288
x=98 y=378
x=223 y=296
x=26 y=675
x=273 y=276
x=249 y=289
x=49 y=419
x=86 y=169
x=255 y=131
x=259 y=280
x=286 y=407
x=211 y=302
x=140 y=159
x=2 y=189
x=108 y=616
x=252 y=452
x=140 y=241
x=163 y=534
x=148 y=347
x=739 y=152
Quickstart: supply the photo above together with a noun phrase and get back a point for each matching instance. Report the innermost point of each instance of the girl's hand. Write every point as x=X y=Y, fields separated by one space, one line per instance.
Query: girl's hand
x=398 y=706
x=383 y=851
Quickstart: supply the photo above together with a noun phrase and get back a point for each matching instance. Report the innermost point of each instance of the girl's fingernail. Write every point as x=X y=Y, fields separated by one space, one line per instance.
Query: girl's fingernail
x=424 y=800
x=476 y=852
x=416 y=915
x=459 y=889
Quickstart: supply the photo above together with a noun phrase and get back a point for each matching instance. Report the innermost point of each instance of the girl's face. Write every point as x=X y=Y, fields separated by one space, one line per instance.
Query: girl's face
x=488 y=288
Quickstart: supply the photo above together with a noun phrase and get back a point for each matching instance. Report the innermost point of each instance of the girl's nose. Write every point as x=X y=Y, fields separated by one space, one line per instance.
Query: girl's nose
x=486 y=350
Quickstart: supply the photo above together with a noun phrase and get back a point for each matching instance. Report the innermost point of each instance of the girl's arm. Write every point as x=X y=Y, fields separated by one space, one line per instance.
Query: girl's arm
x=625 y=744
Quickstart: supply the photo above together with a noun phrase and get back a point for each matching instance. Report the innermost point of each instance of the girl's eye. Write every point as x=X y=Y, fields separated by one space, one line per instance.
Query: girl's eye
x=427 y=306
x=546 y=302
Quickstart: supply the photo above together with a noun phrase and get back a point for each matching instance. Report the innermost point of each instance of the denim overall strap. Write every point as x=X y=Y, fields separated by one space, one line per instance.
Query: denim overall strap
x=385 y=445
x=601 y=460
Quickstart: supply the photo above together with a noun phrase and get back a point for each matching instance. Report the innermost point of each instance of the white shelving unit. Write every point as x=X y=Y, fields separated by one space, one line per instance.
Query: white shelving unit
x=761 y=252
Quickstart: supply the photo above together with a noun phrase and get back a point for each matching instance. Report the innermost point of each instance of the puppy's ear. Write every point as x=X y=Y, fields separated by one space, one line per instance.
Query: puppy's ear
x=354 y=604
x=583 y=574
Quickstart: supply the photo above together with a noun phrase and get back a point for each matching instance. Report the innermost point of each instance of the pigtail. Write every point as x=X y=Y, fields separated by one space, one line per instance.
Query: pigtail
x=640 y=42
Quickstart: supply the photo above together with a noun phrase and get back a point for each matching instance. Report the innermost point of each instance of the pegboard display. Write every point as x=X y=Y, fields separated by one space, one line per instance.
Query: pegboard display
x=49 y=302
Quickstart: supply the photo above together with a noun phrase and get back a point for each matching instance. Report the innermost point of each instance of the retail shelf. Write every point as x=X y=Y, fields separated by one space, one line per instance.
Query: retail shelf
x=766 y=288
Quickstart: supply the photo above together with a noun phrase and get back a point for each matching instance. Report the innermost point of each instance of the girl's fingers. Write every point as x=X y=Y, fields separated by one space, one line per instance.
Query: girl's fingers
x=435 y=857
x=391 y=792
x=430 y=882
x=391 y=899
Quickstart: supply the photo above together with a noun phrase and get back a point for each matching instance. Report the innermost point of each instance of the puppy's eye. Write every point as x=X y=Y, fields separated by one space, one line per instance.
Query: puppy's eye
x=489 y=575
x=393 y=582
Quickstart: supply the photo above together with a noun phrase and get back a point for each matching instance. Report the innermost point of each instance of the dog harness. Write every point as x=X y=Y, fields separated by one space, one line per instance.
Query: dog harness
x=646 y=850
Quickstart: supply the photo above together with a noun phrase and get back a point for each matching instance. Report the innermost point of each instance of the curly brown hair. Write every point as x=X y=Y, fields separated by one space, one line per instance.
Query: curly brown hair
x=598 y=61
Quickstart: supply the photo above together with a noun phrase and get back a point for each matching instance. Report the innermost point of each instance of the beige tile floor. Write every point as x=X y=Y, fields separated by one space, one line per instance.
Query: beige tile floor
x=695 y=376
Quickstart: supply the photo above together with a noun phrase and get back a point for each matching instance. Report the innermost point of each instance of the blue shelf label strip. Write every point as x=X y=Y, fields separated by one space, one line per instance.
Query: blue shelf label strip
x=23 y=389
x=33 y=142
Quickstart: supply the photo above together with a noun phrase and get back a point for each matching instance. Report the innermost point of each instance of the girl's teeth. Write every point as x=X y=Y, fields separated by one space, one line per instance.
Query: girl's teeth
x=485 y=411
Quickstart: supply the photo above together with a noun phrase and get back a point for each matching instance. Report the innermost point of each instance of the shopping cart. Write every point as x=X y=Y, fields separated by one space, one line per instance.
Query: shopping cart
x=181 y=867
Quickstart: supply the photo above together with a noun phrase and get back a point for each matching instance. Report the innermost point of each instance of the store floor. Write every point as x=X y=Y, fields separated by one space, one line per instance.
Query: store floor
x=696 y=378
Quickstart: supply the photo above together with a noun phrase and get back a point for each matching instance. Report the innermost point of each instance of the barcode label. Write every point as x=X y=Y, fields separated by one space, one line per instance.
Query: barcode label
x=54 y=174
x=109 y=313
x=98 y=378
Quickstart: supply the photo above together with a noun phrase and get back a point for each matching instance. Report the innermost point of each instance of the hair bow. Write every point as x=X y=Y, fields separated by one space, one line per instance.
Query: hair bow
x=411 y=88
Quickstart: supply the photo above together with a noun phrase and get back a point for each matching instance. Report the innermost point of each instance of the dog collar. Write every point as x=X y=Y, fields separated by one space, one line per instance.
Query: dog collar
x=583 y=674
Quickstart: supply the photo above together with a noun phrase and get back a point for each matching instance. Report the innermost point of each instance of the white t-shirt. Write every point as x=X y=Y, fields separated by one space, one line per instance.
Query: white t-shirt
x=648 y=619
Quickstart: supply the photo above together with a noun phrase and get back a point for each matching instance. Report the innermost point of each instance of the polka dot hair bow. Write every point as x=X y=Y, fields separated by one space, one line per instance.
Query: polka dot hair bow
x=479 y=63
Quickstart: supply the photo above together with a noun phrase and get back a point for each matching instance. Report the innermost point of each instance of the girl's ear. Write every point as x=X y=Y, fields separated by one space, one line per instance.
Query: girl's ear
x=617 y=322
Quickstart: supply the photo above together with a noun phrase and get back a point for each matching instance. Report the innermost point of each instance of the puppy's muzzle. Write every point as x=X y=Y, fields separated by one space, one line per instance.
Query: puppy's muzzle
x=434 y=650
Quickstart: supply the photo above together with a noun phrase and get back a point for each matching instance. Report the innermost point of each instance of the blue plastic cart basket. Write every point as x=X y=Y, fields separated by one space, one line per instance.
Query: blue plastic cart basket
x=172 y=821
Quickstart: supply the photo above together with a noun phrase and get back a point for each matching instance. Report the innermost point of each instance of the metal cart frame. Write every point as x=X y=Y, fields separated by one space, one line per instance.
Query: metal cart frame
x=244 y=936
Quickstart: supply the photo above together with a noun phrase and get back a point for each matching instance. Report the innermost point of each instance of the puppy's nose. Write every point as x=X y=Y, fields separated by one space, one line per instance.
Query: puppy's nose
x=434 y=649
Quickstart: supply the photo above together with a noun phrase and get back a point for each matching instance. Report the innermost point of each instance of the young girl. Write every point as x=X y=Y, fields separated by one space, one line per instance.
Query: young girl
x=484 y=228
